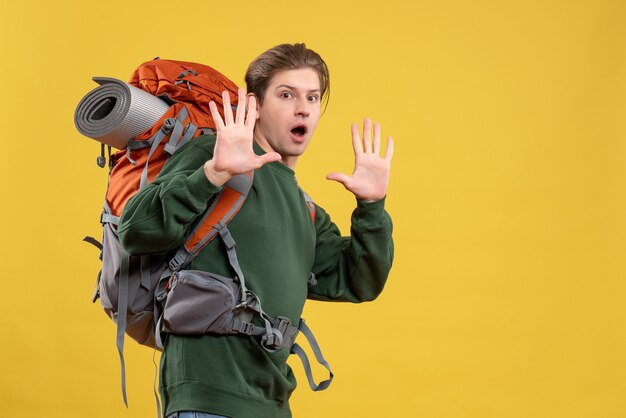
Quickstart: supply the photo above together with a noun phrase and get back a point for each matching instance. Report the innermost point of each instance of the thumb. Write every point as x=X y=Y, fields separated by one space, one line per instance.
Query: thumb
x=338 y=177
x=269 y=157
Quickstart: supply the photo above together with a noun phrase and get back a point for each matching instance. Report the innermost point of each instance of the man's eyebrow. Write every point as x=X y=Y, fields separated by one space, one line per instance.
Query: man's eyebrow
x=294 y=88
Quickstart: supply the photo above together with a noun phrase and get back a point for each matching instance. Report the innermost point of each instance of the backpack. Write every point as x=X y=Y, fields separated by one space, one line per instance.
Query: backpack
x=152 y=291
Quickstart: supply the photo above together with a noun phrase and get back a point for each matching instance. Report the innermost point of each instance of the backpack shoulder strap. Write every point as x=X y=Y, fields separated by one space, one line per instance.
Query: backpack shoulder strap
x=310 y=204
x=223 y=208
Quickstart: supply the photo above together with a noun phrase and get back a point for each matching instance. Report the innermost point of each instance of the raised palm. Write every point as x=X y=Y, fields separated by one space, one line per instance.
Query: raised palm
x=233 y=153
x=370 y=176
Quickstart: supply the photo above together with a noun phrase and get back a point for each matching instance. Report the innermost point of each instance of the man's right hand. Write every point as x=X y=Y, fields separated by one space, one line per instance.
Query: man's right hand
x=233 y=153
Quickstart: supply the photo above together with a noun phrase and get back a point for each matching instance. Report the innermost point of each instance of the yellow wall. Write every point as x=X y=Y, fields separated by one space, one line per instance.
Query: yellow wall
x=507 y=295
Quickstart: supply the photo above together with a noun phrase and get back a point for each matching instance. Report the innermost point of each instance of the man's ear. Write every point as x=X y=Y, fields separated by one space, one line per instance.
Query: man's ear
x=257 y=103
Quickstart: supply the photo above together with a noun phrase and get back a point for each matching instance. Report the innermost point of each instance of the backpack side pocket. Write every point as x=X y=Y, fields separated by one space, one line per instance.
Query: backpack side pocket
x=199 y=302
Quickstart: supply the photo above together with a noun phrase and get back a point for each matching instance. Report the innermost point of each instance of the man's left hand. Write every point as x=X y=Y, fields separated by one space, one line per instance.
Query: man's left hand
x=370 y=176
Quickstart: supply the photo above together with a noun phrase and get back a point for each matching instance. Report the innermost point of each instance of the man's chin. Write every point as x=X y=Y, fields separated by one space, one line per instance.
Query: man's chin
x=296 y=149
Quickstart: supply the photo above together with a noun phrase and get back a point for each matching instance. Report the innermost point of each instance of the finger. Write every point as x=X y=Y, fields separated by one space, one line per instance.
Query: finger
x=377 y=138
x=389 y=152
x=241 y=107
x=228 y=111
x=356 y=140
x=367 y=127
x=217 y=118
x=251 y=116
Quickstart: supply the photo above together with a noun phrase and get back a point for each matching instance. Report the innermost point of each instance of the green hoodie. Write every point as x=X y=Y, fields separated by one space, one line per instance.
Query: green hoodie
x=278 y=246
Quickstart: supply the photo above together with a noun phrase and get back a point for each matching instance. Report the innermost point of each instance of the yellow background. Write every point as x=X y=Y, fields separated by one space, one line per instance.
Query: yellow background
x=507 y=294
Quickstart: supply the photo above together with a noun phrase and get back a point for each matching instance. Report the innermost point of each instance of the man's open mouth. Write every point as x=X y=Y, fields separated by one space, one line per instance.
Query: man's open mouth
x=299 y=130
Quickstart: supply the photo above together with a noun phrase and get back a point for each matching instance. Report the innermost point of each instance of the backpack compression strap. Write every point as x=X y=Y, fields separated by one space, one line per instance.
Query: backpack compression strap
x=296 y=349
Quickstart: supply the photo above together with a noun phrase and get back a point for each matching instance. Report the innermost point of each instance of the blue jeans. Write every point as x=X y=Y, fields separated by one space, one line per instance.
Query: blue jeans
x=192 y=414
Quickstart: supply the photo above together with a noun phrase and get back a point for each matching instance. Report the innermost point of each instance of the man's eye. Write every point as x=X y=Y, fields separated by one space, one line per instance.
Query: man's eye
x=285 y=95
x=312 y=99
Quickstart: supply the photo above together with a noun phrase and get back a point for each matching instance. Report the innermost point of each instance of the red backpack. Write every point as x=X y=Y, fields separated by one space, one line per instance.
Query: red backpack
x=123 y=115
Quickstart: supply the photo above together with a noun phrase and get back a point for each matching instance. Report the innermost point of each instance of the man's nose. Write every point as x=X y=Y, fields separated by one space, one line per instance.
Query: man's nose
x=303 y=107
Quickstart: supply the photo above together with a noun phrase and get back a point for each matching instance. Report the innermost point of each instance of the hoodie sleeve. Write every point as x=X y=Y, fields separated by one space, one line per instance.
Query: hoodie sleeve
x=354 y=268
x=157 y=219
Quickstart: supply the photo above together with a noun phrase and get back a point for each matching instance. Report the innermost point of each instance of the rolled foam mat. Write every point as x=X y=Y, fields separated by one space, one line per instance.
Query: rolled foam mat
x=115 y=112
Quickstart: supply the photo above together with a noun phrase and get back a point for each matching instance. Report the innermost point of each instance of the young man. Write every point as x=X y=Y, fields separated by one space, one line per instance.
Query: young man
x=278 y=244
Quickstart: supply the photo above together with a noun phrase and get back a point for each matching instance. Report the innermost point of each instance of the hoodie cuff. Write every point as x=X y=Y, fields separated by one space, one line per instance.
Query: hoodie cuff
x=370 y=210
x=200 y=187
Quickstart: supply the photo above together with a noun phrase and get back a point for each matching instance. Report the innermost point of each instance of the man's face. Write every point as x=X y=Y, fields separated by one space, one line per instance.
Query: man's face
x=289 y=114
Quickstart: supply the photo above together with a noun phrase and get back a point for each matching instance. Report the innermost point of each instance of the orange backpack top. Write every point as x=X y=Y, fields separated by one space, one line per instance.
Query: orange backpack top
x=188 y=87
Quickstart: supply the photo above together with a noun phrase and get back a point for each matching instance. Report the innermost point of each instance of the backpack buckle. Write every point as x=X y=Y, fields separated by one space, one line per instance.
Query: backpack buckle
x=176 y=262
x=241 y=306
x=243 y=327
x=275 y=340
x=282 y=324
x=251 y=302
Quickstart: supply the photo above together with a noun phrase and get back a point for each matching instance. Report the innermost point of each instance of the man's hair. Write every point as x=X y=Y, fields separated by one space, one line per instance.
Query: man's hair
x=285 y=57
